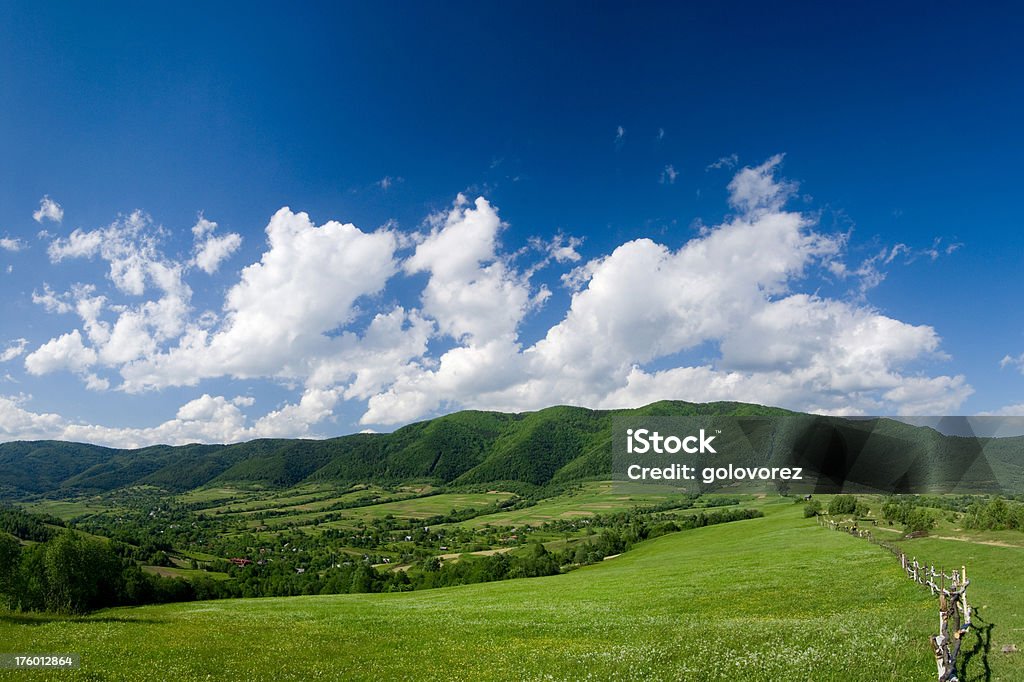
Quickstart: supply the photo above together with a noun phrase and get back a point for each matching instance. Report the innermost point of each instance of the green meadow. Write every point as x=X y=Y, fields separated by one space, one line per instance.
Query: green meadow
x=772 y=598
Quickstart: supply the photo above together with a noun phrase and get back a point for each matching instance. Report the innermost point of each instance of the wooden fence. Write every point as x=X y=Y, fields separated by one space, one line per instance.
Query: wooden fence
x=950 y=588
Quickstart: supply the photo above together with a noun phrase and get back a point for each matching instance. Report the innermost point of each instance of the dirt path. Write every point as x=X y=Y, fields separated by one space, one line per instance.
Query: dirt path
x=991 y=543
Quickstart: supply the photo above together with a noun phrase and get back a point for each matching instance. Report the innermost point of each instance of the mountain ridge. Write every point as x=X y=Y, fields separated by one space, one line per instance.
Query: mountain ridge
x=553 y=446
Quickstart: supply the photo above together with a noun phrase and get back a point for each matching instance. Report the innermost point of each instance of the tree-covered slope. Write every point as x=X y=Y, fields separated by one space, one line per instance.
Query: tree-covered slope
x=556 y=445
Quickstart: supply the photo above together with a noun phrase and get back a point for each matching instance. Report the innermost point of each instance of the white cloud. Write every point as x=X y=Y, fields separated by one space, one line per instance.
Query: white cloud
x=929 y=395
x=1010 y=361
x=51 y=301
x=203 y=227
x=315 y=406
x=80 y=244
x=669 y=175
x=131 y=246
x=470 y=293
x=278 y=317
x=48 y=210
x=211 y=251
x=723 y=162
x=9 y=244
x=66 y=352
x=207 y=419
x=95 y=383
x=1016 y=410
x=560 y=248
x=14 y=349
x=19 y=423
x=368 y=363
x=754 y=190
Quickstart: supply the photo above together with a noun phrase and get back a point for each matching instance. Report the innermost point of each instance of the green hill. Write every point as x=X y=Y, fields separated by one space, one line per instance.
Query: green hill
x=557 y=445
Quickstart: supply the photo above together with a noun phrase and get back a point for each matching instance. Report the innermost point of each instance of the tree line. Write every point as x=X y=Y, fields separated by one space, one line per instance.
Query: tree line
x=70 y=573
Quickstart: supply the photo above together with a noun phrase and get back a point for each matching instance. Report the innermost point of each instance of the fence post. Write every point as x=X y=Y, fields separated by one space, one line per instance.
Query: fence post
x=952 y=602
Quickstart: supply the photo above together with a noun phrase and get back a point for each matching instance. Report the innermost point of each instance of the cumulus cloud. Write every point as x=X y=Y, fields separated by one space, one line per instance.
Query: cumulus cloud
x=48 y=210
x=279 y=316
x=729 y=314
x=470 y=292
x=730 y=286
x=131 y=247
x=211 y=250
x=64 y=352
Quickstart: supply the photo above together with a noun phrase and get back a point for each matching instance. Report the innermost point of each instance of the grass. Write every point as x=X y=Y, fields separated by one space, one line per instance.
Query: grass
x=775 y=598
x=997 y=590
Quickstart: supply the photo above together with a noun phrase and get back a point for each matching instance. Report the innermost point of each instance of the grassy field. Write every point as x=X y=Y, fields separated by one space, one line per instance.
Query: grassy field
x=69 y=509
x=776 y=598
x=420 y=507
x=594 y=497
x=996 y=590
x=175 y=572
x=310 y=514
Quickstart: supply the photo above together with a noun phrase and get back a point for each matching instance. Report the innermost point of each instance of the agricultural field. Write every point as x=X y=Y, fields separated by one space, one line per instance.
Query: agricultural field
x=175 y=572
x=318 y=511
x=423 y=507
x=765 y=599
x=300 y=498
x=586 y=500
x=70 y=509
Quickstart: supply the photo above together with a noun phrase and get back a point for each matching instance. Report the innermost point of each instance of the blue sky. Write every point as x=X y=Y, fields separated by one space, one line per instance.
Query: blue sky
x=799 y=204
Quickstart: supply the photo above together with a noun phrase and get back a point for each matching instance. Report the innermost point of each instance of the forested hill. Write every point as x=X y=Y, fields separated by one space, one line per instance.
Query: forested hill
x=551 y=446
x=554 y=444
